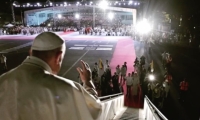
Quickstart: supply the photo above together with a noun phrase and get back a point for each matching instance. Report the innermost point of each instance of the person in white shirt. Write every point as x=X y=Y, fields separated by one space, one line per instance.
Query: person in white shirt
x=106 y=65
x=129 y=83
x=118 y=71
x=34 y=91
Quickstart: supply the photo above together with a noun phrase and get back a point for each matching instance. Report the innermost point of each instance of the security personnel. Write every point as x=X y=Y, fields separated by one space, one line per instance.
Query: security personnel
x=183 y=89
x=33 y=91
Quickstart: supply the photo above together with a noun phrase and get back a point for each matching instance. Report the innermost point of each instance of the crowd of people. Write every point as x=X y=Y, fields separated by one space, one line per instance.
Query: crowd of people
x=108 y=31
x=33 y=30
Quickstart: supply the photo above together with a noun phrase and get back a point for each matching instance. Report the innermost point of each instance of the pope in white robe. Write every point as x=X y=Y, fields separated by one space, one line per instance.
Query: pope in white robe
x=33 y=91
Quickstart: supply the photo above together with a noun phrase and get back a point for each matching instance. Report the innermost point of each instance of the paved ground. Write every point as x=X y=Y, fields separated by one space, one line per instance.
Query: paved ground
x=91 y=48
x=88 y=50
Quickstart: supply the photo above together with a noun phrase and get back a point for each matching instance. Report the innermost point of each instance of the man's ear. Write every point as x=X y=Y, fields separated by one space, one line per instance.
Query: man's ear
x=59 y=56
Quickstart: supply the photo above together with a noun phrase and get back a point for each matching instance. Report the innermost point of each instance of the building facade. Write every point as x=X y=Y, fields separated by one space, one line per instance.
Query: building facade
x=39 y=16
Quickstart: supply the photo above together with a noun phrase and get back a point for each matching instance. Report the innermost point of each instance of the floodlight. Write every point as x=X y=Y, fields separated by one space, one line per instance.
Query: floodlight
x=143 y=27
x=130 y=2
x=59 y=16
x=151 y=77
x=103 y=4
x=110 y=16
x=77 y=16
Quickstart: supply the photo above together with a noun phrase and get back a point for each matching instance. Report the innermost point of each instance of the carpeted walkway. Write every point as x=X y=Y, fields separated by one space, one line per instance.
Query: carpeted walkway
x=125 y=52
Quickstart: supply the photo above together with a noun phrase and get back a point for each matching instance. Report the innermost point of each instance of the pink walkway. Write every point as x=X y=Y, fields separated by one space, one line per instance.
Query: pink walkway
x=125 y=52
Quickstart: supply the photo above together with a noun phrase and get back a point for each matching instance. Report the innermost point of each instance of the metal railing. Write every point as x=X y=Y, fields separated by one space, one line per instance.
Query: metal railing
x=110 y=96
x=155 y=110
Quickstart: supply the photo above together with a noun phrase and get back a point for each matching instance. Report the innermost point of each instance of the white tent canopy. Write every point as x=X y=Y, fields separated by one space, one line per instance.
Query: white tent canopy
x=9 y=25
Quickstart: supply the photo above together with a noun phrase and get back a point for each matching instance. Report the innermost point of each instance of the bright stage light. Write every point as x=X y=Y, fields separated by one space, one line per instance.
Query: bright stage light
x=77 y=16
x=110 y=16
x=143 y=27
x=103 y=4
x=151 y=77
x=59 y=16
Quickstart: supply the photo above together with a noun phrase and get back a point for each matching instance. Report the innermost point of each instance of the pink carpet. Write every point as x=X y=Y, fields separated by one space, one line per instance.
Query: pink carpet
x=125 y=52
x=66 y=33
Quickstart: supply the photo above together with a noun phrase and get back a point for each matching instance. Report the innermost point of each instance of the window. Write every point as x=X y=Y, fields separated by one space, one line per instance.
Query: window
x=42 y=15
x=50 y=15
x=122 y=16
x=31 y=14
x=129 y=17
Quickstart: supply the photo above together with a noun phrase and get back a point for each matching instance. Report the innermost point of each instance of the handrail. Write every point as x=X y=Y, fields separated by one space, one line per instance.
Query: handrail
x=155 y=108
x=110 y=95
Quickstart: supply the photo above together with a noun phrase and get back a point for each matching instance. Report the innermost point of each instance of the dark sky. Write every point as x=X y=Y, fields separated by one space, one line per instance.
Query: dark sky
x=171 y=6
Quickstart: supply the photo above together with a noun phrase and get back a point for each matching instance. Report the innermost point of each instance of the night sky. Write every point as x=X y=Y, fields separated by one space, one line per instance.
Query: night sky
x=171 y=6
x=186 y=8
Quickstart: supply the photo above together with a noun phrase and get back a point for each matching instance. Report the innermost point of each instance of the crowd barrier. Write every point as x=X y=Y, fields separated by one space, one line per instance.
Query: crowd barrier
x=151 y=112
x=111 y=105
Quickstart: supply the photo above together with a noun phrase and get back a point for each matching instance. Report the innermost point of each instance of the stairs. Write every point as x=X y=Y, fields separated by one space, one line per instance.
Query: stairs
x=130 y=114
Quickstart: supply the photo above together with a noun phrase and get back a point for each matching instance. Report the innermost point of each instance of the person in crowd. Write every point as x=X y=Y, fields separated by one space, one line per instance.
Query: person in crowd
x=129 y=83
x=156 y=92
x=3 y=62
x=95 y=78
x=96 y=67
x=125 y=65
x=108 y=73
x=166 y=87
x=151 y=85
x=118 y=71
x=123 y=74
x=137 y=69
x=135 y=85
x=103 y=85
x=168 y=77
x=164 y=58
x=162 y=96
x=110 y=89
x=142 y=75
x=142 y=60
x=136 y=62
x=169 y=61
x=36 y=87
x=115 y=82
x=183 y=89
x=106 y=65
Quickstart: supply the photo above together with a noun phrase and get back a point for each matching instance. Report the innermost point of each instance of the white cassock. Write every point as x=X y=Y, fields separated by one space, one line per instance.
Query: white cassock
x=135 y=85
x=31 y=92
